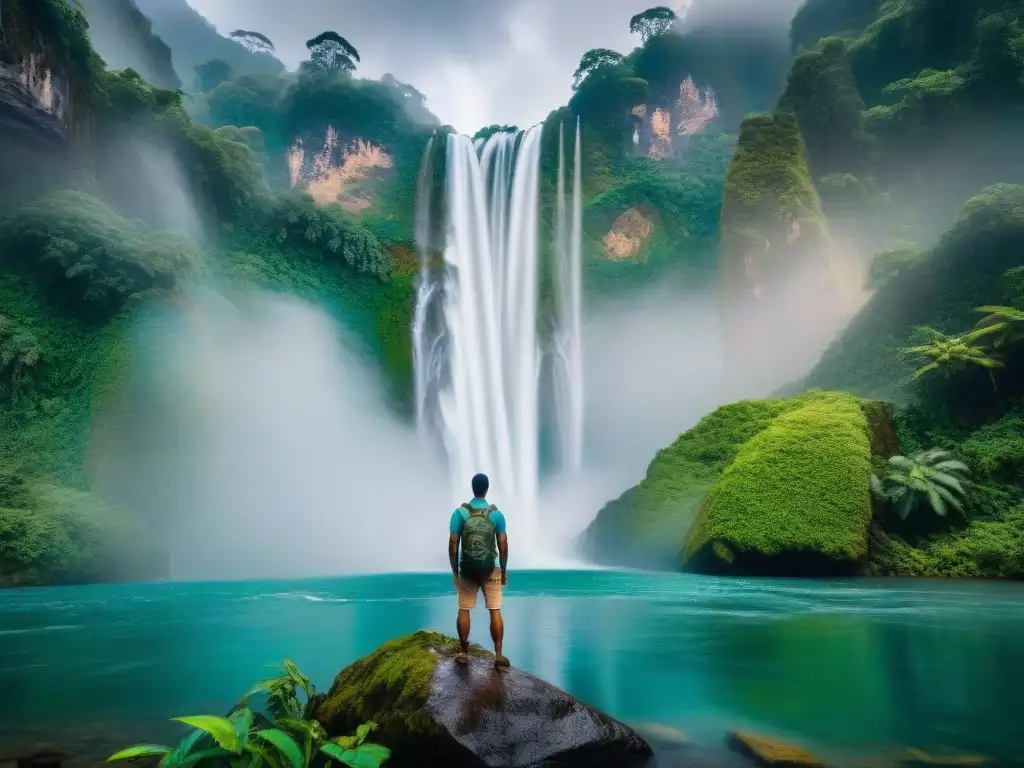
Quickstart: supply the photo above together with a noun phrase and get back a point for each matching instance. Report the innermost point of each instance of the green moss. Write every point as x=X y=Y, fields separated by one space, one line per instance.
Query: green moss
x=799 y=487
x=771 y=214
x=647 y=525
x=390 y=687
x=822 y=93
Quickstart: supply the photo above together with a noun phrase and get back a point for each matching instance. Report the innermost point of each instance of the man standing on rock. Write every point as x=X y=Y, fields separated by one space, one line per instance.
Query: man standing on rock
x=480 y=529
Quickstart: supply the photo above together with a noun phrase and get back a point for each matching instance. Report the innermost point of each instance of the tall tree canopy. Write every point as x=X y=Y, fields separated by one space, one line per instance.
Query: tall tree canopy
x=593 y=59
x=332 y=52
x=652 y=22
x=253 y=41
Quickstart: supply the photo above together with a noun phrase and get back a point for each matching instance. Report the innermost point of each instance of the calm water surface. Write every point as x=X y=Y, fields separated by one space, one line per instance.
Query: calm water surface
x=850 y=668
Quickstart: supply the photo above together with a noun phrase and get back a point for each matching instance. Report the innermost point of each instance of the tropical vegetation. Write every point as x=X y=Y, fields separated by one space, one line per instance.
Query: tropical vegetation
x=930 y=479
x=291 y=739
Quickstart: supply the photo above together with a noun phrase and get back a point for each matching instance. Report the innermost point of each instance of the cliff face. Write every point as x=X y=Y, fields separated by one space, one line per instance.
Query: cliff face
x=35 y=108
x=782 y=289
x=124 y=37
x=193 y=41
x=893 y=114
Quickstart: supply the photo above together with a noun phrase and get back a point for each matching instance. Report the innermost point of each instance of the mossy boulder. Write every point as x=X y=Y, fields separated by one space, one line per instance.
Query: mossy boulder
x=431 y=712
x=646 y=527
x=795 y=500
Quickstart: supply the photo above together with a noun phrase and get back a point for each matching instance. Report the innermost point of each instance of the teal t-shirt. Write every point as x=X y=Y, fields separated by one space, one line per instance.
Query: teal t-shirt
x=460 y=516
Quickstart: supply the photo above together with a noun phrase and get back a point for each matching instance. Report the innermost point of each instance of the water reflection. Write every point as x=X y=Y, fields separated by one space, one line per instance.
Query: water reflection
x=850 y=667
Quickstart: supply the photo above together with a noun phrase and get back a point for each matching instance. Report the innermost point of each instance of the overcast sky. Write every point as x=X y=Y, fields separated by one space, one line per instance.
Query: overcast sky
x=478 y=61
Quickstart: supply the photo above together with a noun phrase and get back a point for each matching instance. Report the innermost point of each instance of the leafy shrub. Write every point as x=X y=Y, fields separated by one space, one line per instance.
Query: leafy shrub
x=91 y=254
x=293 y=740
x=330 y=233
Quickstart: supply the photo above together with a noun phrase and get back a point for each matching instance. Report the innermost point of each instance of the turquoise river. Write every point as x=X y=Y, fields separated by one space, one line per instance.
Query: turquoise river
x=855 y=670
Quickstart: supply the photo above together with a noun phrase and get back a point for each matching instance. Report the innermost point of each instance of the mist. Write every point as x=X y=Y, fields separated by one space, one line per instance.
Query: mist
x=267 y=450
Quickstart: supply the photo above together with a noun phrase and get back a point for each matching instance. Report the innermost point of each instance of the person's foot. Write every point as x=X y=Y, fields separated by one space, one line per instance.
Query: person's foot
x=500 y=661
x=462 y=658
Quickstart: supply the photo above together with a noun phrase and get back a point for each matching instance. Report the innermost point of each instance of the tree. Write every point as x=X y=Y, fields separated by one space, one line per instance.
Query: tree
x=594 y=59
x=652 y=22
x=254 y=42
x=951 y=354
x=211 y=74
x=929 y=478
x=333 y=53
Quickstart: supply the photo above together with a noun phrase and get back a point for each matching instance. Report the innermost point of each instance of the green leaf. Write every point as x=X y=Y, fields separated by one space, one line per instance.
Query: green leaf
x=284 y=744
x=220 y=728
x=335 y=751
x=263 y=686
x=205 y=754
x=364 y=730
x=347 y=742
x=901 y=462
x=367 y=756
x=242 y=719
x=942 y=479
x=140 y=750
x=938 y=504
x=953 y=466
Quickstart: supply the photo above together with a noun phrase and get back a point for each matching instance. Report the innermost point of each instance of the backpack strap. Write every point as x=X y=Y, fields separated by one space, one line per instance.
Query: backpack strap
x=492 y=508
x=467 y=506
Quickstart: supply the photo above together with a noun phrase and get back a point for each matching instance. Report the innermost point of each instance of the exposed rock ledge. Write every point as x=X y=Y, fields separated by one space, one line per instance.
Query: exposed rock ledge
x=432 y=712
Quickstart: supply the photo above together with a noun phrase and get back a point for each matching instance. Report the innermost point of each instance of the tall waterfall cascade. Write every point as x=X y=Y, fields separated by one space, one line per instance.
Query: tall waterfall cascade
x=485 y=362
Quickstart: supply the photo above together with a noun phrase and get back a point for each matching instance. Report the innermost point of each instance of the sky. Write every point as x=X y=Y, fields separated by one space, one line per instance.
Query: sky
x=478 y=62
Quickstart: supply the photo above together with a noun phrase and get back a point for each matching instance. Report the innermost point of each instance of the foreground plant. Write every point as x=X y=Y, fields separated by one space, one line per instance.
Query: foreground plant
x=293 y=741
x=928 y=479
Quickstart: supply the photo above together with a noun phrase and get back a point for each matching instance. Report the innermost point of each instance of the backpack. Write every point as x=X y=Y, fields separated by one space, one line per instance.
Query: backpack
x=479 y=543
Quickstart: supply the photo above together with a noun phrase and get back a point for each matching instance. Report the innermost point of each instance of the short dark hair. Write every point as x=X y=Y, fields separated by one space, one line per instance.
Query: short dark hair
x=480 y=485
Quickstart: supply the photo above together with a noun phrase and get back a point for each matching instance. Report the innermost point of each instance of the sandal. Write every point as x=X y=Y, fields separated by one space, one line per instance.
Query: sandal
x=462 y=658
x=501 y=662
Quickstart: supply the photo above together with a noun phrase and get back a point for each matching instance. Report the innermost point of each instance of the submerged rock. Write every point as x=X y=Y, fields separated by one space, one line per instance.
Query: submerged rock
x=772 y=752
x=919 y=759
x=433 y=712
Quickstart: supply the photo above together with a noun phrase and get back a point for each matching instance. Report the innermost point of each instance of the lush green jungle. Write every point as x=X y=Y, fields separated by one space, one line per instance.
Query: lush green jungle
x=867 y=151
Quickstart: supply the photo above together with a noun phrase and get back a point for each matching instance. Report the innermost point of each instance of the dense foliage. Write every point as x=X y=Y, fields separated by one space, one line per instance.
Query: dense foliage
x=292 y=739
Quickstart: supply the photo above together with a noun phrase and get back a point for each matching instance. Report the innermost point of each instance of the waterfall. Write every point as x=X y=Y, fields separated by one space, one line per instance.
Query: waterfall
x=476 y=346
x=425 y=288
x=566 y=343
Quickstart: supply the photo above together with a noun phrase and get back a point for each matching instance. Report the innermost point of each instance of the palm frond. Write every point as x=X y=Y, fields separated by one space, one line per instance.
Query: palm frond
x=945 y=480
x=938 y=504
x=952 y=465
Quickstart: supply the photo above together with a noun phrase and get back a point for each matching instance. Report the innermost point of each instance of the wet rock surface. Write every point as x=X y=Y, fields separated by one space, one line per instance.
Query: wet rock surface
x=769 y=751
x=509 y=718
x=432 y=711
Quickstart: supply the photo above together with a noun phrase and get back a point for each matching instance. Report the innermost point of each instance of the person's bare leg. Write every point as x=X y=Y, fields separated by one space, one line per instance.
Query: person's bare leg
x=498 y=636
x=462 y=625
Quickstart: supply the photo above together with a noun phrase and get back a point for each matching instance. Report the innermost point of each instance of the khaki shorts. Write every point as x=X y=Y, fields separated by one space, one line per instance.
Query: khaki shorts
x=468 y=589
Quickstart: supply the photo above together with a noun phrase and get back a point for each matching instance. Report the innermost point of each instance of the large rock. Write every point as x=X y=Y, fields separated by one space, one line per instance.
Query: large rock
x=795 y=499
x=777 y=486
x=432 y=712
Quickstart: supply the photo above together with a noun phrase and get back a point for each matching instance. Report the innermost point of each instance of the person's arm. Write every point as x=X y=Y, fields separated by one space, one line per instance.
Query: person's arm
x=499 y=529
x=453 y=556
x=454 y=532
x=503 y=556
